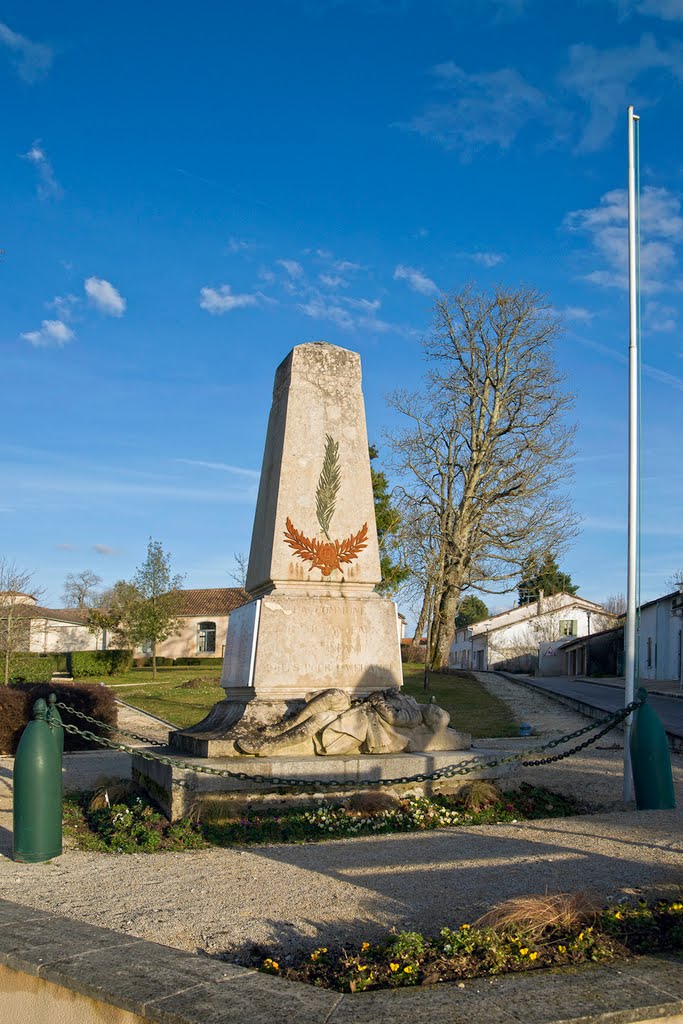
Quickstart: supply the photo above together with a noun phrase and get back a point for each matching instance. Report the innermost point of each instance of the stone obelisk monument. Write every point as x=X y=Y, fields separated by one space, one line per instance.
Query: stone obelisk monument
x=314 y=621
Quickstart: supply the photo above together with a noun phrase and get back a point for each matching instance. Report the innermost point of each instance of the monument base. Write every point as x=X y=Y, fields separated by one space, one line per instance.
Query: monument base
x=181 y=792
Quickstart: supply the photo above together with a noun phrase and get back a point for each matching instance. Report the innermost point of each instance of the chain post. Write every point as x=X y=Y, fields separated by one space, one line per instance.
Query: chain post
x=37 y=791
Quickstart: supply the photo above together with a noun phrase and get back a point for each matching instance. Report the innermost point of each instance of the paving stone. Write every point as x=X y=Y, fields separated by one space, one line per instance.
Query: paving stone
x=257 y=999
x=138 y=973
x=33 y=943
x=470 y=1005
x=553 y=997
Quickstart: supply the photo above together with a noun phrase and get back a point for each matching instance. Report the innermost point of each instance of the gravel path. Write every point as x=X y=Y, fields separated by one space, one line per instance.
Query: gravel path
x=237 y=902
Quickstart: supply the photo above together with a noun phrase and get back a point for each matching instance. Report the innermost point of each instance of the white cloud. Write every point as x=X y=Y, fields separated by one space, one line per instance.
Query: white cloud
x=659 y=317
x=333 y=281
x=65 y=547
x=64 y=305
x=52 y=332
x=239 y=244
x=222 y=300
x=668 y=10
x=415 y=279
x=293 y=268
x=223 y=467
x=577 y=313
x=32 y=60
x=105 y=296
x=104 y=549
x=483 y=109
x=484 y=259
x=605 y=81
x=48 y=187
x=606 y=227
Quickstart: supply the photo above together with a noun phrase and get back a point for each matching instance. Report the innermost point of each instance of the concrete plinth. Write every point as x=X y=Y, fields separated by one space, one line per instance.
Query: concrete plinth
x=181 y=792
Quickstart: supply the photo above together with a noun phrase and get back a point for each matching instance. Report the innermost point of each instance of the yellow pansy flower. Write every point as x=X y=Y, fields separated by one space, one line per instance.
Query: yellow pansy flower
x=366 y=945
x=393 y=967
x=618 y=915
x=533 y=956
x=561 y=949
x=362 y=967
x=408 y=969
x=523 y=951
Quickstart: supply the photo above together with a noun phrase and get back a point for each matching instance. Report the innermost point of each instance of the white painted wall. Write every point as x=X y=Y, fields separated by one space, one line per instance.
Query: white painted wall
x=185 y=644
x=515 y=636
x=660 y=641
x=49 y=636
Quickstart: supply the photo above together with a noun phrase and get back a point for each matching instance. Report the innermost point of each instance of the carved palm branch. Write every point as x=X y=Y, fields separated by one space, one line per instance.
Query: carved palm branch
x=347 y=550
x=328 y=485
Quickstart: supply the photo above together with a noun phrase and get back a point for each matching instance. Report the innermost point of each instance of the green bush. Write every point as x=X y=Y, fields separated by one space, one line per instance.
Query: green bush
x=16 y=706
x=99 y=663
x=35 y=668
x=188 y=661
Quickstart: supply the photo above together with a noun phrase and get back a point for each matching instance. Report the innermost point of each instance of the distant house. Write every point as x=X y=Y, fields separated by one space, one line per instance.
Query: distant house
x=660 y=637
x=528 y=636
x=204 y=618
x=48 y=630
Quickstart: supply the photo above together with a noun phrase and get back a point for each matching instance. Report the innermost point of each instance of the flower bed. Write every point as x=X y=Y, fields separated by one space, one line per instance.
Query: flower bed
x=124 y=821
x=472 y=950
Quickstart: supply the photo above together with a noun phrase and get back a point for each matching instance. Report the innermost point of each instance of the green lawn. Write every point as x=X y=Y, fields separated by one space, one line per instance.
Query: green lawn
x=471 y=707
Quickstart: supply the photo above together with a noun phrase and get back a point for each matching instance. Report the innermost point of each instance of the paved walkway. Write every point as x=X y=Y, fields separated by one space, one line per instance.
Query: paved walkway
x=608 y=698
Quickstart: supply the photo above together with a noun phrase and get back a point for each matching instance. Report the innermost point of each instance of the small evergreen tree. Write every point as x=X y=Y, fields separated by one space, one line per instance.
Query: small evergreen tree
x=472 y=609
x=388 y=520
x=541 y=572
x=158 y=612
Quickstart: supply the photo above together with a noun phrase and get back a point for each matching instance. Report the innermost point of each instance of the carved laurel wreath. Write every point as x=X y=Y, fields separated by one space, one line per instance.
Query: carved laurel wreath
x=329 y=555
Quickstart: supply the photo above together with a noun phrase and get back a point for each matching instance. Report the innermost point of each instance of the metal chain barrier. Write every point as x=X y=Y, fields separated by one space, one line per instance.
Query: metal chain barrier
x=105 y=725
x=604 y=725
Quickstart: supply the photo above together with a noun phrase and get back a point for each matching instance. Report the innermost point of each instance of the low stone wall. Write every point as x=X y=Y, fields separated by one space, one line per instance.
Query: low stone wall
x=57 y=971
x=179 y=792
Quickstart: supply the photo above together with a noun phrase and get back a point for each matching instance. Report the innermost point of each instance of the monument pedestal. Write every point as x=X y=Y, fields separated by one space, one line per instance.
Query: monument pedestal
x=181 y=792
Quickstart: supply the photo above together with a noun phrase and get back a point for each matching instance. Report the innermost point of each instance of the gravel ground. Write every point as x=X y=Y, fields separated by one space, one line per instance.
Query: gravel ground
x=238 y=902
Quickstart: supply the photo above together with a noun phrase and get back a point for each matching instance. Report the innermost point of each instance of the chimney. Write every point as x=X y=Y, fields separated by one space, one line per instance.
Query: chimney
x=540 y=602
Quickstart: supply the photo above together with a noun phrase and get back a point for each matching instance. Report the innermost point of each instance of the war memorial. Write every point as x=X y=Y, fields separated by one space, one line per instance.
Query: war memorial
x=312 y=669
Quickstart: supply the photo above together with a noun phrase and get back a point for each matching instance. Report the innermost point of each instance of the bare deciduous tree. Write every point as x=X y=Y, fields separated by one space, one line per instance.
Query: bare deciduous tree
x=80 y=588
x=239 y=573
x=16 y=585
x=487 y=446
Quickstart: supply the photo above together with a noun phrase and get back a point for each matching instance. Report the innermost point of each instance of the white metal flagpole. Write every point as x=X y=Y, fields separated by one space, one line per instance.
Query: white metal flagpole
x=632 y=574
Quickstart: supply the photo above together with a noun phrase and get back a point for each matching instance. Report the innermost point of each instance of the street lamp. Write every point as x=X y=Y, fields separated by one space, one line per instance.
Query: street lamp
x=588 y=645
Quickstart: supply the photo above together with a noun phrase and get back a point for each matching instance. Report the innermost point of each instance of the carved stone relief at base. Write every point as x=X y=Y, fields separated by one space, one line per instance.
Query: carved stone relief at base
x=385 y=722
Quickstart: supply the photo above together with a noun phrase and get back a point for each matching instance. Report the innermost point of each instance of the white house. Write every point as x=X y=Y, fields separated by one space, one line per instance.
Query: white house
x=512 y=639
x=44 y=630
x=660 y=637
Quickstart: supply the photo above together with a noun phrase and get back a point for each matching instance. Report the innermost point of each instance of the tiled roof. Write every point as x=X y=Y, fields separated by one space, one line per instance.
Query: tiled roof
x=214 y=601
x=77 y=616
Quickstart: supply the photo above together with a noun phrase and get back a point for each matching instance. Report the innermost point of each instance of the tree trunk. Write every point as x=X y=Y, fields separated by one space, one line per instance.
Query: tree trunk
x=422 y=618
x=7 y=665
x=154 y=661
x=443 y=629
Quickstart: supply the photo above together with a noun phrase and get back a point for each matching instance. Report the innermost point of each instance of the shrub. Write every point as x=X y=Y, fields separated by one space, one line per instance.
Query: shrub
x=14 y=714
x=35 y=668
x=99 y=663
x=412 y=654
x=187 y=661
x=16 y=711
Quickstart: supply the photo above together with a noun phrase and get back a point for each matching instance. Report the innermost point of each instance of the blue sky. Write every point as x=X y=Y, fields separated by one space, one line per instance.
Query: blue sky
x=190 y=190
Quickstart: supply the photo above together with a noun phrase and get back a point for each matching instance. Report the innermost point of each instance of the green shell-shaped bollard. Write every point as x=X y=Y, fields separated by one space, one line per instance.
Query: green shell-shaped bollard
x=37 y=792
x=651 y=760
x=55 y=722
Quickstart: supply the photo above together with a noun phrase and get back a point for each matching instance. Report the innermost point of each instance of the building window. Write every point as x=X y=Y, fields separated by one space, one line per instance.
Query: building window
x=568 y=627
x=206 y=638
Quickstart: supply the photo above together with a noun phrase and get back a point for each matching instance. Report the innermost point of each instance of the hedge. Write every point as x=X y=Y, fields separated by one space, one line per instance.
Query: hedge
x=188 y=661
x=16 y=710
x=35 y=668
x=99 y=663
